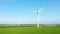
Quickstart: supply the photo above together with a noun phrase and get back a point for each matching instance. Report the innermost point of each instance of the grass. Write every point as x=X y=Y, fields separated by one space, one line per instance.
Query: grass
x=30 y=30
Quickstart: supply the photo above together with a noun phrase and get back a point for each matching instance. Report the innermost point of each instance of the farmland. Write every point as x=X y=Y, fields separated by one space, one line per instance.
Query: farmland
x=28 y=30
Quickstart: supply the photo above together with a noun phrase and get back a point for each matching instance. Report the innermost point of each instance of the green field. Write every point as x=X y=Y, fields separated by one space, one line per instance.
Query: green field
x=29 y=30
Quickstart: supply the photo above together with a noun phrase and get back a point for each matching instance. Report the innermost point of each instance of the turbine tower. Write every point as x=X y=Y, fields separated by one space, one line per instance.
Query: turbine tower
x=38 y=16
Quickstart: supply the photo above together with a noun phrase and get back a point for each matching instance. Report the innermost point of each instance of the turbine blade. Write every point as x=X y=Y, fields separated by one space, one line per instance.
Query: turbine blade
x=40 y=9
x=34 y=11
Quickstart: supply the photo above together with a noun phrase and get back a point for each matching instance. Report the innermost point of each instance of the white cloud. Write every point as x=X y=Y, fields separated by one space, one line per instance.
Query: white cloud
x=25 y=21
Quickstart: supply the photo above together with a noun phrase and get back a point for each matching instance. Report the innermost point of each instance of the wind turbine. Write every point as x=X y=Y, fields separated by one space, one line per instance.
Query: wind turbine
x=18 y=20
x=37 y=16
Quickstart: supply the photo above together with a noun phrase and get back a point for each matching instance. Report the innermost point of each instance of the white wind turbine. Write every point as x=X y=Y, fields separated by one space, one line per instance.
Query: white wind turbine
x=37 y=16
x=18 y=20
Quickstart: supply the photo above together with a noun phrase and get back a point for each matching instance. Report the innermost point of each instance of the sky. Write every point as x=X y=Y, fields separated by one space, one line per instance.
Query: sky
x=21 y=11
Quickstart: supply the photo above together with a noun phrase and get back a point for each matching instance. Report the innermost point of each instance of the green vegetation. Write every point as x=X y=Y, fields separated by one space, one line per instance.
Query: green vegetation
x=29 y=30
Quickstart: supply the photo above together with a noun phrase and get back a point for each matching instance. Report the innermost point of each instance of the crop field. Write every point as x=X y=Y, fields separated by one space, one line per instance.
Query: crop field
x=28 y=30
